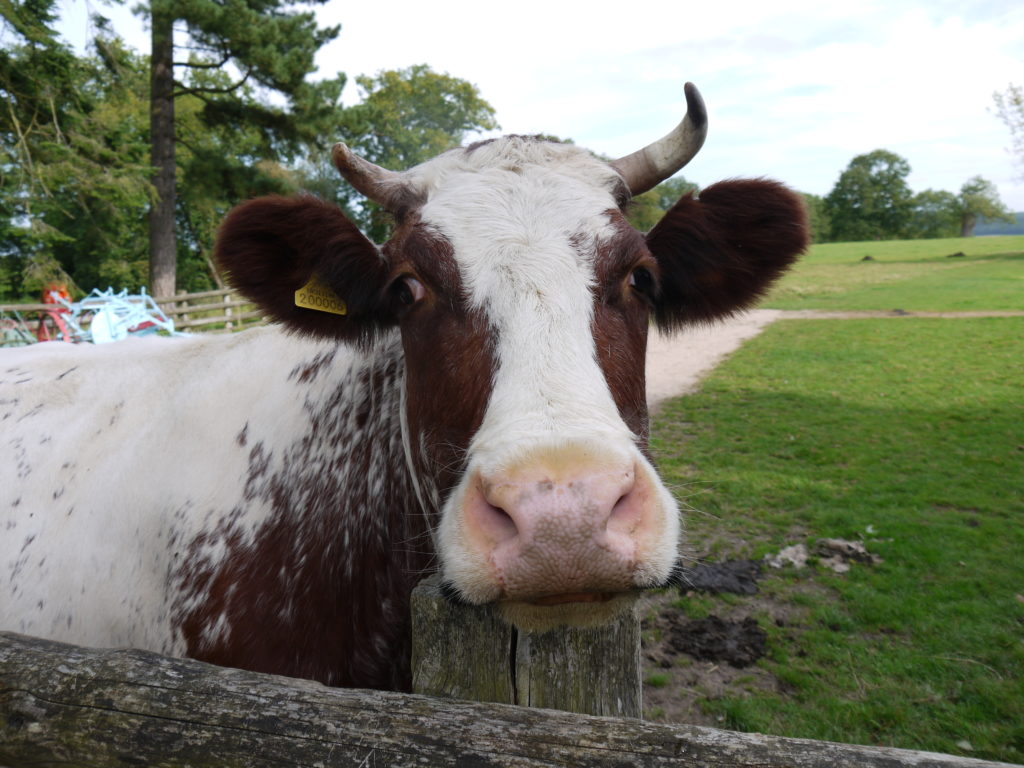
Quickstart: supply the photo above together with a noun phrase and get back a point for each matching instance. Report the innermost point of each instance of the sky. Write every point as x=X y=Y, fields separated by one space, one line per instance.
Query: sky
x=795 y=89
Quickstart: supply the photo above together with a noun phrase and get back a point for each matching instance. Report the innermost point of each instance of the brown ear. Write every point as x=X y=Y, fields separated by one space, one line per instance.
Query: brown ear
x=719 y=254
x=273 y=246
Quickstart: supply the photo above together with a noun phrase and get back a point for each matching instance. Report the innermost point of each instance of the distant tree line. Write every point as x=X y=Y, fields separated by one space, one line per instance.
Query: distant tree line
x=117 y=167
x=872 y=201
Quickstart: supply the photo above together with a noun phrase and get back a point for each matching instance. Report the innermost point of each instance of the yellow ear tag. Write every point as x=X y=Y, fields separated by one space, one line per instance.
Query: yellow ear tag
x=317 y=295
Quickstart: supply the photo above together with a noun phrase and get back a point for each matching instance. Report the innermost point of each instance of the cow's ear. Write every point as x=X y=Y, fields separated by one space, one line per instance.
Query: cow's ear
x=273 y=247
x=719 y=254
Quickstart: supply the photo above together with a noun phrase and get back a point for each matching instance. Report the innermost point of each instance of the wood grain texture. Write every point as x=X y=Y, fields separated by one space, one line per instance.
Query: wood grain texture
x=66 y=705
x=467 y=652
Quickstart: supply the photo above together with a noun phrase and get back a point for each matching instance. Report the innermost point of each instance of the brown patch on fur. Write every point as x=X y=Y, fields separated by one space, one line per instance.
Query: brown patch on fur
x=621 y=320
x=449 y=355
x=321 y=589
x=415 y=250
x=308 y=371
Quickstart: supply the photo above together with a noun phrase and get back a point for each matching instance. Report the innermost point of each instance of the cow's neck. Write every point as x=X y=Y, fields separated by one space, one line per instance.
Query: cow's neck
x=341 y=540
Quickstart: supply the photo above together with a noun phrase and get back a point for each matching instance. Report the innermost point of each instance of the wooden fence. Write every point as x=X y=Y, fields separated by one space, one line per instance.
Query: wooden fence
x=66 y=705
x=207 y=311
x=221 y=310
x=62 y=704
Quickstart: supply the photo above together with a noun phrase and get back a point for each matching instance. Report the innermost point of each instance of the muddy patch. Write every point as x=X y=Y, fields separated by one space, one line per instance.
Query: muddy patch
x=692 y=660
x=737 y=577
x=689 y=662
x=738 y=643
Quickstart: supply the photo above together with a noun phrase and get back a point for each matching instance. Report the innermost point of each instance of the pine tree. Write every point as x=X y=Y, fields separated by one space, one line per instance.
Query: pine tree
x=268 y=48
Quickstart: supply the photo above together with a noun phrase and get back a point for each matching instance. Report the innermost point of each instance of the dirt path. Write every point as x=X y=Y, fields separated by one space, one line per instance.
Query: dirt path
x=854 y=314
x=676 y=365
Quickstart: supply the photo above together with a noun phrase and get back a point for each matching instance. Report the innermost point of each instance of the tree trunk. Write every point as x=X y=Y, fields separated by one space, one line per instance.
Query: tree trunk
x=163 y=255
x=967 y=225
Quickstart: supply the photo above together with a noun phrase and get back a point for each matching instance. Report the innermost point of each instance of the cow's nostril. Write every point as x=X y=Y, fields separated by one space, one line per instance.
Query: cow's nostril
x=499 y=522
x=627 y=513
x=619 y=505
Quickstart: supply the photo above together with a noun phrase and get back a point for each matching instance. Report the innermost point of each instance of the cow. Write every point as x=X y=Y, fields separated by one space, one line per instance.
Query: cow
x=467 y=399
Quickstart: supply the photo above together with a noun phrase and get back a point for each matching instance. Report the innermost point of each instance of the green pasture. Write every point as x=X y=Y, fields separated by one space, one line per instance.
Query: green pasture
x=908 y=274
x=906 y=434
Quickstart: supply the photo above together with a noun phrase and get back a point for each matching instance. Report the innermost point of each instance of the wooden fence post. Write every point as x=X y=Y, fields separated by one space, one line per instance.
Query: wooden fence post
x=182 y=302
x=468 y=652
x=227 y=310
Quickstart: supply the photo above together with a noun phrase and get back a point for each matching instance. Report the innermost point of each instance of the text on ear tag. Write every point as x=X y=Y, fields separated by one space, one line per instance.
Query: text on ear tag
x=317 y=295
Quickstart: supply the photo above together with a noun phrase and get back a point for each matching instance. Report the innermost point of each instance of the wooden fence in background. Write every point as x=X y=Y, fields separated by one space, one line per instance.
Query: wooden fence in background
x=220 y=310
x=217 y=311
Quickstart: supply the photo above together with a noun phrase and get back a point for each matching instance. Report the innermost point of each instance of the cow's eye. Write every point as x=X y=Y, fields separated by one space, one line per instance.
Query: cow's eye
x=408 y=290
x=642 y=281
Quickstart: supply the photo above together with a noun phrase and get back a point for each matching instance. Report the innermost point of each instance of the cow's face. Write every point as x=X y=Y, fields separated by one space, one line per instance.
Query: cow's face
x=523 y=300
x=525 y=342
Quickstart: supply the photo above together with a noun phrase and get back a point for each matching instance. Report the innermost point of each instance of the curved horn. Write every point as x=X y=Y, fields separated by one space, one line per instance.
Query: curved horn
x=389 y=188
x=648 y=167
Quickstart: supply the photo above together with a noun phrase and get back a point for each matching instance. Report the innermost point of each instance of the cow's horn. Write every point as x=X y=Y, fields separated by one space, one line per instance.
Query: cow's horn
x=388 y=188
x=648 y=167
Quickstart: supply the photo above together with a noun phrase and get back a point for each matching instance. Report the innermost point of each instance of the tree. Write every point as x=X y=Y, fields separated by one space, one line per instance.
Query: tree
x=1010 y=108
x=817 y=218
x=73 y=166
x=979 y=197
x=218 y=166
x=272 y=50
x=647 y=209
x=936 y=213
x=406 y=117
x=871 y=199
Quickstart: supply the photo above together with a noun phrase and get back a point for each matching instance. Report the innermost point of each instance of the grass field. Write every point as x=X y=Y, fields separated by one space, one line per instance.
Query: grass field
x=911 y=275
x=906 y=434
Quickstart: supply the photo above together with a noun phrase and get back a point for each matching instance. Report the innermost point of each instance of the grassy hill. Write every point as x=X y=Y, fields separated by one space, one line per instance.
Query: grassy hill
x=953 y=274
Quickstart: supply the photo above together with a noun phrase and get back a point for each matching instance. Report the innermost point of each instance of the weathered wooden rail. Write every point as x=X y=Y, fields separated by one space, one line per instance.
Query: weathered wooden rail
x=223 y=309
x=28 y=308
x=219 y=311
x=66 y=705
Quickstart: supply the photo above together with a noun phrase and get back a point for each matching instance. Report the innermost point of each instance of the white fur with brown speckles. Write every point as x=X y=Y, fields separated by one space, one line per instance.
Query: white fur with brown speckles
x=116 y=460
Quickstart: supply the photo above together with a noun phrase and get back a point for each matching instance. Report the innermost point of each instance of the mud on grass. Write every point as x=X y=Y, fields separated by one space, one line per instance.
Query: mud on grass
x=702 y=642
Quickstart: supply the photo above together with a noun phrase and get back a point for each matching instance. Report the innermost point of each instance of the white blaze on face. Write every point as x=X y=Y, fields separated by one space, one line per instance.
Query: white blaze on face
x=525 y=220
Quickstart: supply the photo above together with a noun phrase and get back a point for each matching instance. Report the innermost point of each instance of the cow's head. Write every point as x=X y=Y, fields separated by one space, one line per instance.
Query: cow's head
x=523 y=299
